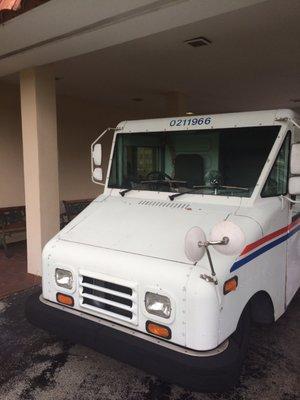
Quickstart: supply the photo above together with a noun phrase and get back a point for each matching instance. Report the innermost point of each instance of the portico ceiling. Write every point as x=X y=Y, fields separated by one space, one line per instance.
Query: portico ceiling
x=252 y=62
x=60 y=29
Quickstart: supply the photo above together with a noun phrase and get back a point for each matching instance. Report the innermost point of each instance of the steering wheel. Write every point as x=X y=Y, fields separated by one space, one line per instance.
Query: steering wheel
x=213 y=178
x=158 y=176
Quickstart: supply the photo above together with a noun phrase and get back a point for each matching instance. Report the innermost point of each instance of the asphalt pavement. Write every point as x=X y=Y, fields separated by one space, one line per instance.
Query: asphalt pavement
x=35 y=365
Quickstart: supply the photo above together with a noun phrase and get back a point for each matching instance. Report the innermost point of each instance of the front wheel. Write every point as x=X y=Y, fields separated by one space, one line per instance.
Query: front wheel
x=242 y=333
x=240 y=341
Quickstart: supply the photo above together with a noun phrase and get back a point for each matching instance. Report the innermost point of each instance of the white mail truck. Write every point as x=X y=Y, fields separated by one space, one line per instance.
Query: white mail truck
x=195 y=236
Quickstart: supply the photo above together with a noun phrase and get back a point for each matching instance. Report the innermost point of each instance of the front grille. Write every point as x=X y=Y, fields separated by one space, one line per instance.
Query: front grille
x=109 y=298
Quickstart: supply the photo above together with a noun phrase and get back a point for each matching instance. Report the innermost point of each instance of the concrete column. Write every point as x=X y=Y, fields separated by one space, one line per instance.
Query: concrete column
x=39 y=133
x=176 y=104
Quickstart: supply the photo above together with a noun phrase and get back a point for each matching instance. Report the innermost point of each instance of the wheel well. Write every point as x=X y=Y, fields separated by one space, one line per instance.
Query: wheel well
x=261 y=308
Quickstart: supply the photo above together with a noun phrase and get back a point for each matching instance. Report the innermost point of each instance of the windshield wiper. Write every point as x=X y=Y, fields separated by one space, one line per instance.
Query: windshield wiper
x=195 y=190
x=173 y=196
x=123 y=192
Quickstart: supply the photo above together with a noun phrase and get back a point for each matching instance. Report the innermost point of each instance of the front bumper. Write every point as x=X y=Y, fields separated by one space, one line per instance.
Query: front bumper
x=205 y=373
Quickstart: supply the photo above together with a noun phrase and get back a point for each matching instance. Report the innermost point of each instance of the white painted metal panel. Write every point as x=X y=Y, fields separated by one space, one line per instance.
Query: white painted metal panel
x=217 y=121
x=150 y=228
x=144 y=273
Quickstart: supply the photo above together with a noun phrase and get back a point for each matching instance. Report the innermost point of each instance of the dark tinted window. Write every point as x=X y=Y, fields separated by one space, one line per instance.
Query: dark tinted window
x=224 y=162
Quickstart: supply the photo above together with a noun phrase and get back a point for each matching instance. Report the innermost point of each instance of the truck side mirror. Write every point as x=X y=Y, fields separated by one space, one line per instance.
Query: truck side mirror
x=96 y=159
x=97 y=173
x=294 y=185
x=294 y=181
x=97 y=154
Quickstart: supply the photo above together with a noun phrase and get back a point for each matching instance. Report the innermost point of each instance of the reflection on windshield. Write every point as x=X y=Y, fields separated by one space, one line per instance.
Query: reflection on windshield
x=224 y=162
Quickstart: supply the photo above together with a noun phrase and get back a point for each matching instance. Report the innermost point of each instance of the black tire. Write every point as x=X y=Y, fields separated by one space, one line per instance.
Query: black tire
x=242 y=333
x=240 y=338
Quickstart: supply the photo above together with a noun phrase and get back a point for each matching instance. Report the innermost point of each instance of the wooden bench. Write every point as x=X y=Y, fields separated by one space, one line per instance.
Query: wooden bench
x=12 y=220
x=73 y=208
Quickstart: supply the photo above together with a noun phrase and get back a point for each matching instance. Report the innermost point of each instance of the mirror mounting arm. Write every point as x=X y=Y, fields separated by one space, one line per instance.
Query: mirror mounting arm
x=104 y=133
x=223 y=241
x=290 y=200
x=206 y=244
x=285 y=119
x=295 y=123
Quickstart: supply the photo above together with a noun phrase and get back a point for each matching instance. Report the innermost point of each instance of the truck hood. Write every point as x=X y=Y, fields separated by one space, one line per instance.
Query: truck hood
x=148 y=227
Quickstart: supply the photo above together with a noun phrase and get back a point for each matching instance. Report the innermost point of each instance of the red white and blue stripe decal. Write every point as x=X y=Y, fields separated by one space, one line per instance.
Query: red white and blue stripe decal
x=267 y=243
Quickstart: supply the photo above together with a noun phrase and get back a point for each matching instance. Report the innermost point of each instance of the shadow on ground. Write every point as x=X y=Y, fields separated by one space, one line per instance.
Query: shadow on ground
x=36 y=365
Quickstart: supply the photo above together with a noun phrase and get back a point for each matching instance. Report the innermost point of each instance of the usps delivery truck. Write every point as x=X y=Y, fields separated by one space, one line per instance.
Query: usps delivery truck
x=195 y=236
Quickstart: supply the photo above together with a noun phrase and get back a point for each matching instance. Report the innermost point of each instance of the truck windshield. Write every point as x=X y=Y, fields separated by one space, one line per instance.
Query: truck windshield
x=223 y=162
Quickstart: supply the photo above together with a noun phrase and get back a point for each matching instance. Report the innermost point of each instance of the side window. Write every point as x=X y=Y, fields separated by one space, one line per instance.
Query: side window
x=277 y=182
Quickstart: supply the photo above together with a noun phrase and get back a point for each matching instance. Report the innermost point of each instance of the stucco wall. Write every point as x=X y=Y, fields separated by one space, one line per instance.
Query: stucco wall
x=11 y=160
x=79 y=123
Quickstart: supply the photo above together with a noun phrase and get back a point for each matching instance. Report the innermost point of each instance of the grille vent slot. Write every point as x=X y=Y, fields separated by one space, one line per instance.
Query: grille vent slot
x=163 y=204
x=108 y=298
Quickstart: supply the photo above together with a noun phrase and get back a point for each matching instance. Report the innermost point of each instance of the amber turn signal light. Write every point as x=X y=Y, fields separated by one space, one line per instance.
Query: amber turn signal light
x=158 y=330
x=65 y=299
x=230 y=285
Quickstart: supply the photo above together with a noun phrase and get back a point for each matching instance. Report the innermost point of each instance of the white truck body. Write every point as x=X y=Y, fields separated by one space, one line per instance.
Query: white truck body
x=137 y=241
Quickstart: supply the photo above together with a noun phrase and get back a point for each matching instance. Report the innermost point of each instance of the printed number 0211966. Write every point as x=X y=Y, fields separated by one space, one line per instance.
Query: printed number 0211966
x=190 y=121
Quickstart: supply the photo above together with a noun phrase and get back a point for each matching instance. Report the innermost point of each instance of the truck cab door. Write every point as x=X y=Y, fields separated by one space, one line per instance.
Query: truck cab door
x=276 y=186
x=293 y=253
x=293 y=245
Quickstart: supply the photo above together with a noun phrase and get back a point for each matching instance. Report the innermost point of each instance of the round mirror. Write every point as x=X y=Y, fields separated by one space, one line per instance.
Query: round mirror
x=193 y=251
x=233 y=232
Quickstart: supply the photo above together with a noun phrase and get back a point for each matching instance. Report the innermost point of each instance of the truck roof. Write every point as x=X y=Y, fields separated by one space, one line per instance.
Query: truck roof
x=207 y=121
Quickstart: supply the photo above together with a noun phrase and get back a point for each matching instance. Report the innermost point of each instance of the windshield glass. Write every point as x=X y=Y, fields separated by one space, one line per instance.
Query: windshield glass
x=224 y=162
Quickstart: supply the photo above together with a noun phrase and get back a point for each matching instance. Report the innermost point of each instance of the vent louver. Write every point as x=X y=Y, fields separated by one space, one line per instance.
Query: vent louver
x=198 y=42
x=163 y=204
x=108 y=298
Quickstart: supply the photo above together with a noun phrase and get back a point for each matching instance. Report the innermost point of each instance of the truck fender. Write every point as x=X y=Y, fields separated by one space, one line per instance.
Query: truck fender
x=261 y=308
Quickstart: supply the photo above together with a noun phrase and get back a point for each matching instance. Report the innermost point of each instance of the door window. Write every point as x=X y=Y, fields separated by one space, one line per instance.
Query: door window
x=277 y=182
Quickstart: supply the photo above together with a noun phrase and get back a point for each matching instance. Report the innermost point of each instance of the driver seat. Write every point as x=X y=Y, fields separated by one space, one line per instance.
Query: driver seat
x=189 y=168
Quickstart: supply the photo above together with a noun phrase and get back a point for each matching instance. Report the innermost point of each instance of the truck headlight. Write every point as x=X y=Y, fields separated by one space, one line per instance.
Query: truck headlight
x=158 y=305
x=64 y=278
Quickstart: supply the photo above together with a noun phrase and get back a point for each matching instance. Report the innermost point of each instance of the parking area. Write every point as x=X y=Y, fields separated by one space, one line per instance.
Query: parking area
x=13 y=270
x=36 y=365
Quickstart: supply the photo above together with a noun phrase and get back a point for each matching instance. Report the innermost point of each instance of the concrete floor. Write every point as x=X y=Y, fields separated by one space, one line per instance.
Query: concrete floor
x=36 y=365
